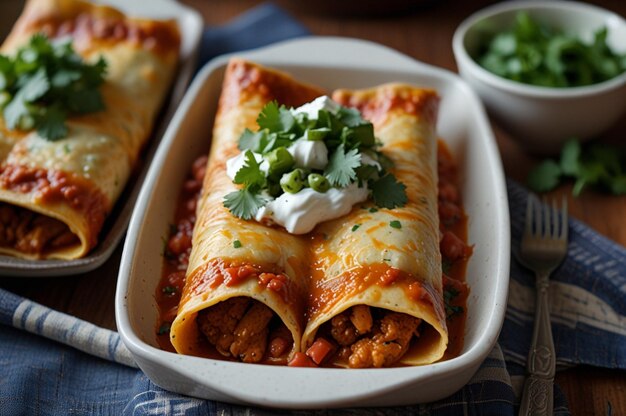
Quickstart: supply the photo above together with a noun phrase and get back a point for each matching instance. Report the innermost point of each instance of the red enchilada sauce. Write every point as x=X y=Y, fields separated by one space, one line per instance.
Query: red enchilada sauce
x=34 y=233
x=453 y=246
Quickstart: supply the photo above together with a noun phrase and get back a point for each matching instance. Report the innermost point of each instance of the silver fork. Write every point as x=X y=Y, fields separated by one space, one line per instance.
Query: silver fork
x=543 y=248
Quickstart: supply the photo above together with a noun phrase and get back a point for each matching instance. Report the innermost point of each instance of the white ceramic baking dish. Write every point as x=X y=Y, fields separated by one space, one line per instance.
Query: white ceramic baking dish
x=331 y=63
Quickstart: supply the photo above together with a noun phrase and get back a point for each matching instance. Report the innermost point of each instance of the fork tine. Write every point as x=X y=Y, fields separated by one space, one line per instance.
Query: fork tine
x=528 y=221
x=554 y=220
x=537 y=217
x=544 y=218
x=564 y=223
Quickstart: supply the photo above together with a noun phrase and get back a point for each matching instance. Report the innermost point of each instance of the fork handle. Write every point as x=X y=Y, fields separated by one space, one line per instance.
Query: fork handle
x=537 y=398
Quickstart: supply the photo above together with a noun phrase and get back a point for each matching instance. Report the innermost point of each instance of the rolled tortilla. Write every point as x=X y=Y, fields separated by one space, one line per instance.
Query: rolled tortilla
x=267 y=264
x=391 y=261
x=55 y=195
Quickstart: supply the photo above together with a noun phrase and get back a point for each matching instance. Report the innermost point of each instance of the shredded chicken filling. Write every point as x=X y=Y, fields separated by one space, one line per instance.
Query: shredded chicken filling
x=32 y=233
x=242 y=328
x=373 y=340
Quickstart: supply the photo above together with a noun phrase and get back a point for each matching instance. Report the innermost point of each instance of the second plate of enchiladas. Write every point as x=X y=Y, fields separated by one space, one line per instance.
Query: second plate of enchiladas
x=74 y=132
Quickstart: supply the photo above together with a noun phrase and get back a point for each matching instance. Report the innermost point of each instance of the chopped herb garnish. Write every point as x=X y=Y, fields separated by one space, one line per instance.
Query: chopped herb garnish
x=270 y=168
x=388 y=192
x=340 y=170
x=395 y=224
x=599 y=165
x=164 y=328
x=244 y=203
x=237 y=244
x=169 y=290
x=355 y=227
x=44 y=83
x=372 y=210
x=533 y=53
x=449 y=295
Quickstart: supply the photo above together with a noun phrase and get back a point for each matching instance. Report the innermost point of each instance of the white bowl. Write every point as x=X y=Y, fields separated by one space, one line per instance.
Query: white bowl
x=543 y=118
x=331 y=63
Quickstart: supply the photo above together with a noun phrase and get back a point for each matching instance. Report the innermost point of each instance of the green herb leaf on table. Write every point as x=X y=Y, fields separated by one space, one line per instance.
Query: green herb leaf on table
x=44 y=83
x=594 y=164
x=545 y=176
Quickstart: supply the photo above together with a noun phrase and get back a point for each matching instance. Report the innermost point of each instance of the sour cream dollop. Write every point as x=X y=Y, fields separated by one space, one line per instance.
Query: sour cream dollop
x=299 y=213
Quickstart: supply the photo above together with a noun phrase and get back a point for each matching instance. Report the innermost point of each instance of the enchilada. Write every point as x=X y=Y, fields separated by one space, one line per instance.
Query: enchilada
x=56 y=194
x=376 y=286
x=246 y=283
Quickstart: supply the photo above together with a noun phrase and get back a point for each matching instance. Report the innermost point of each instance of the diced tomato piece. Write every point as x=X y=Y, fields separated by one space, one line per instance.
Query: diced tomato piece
x=390 y=276
x=276 y=285
x=319 y=350
x=236 y=275
x=300 y=359
x=265 y=278
x=416 y=292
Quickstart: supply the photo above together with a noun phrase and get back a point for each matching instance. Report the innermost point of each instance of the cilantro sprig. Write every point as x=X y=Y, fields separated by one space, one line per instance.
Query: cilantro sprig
x=595 y=164
x=269 y=169
x=44 y=83
x=536 y=54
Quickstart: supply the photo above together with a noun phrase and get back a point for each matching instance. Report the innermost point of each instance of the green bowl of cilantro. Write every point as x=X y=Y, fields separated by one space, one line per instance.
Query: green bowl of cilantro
x=546 y=70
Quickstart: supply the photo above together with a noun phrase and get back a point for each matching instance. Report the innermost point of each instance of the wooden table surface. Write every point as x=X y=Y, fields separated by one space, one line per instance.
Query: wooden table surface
x=424 y=33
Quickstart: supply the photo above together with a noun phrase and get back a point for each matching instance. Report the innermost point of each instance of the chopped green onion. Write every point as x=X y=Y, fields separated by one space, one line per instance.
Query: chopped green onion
x=280 y=161
x=355 y=227
x=237 y=244
x=164 y=328
x=395 y=224
x=292 y=182
x=317 y=134
x=169 y=290
x=318 y=182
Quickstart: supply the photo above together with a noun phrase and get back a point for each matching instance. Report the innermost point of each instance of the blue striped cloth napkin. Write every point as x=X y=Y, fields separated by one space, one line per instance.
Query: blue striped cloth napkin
x=55 y=364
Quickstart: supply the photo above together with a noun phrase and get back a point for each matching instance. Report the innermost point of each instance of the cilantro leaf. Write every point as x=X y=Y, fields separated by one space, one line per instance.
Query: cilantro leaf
x=618 y=185
x=84 y=101
x=387 y=192
x=51 y=124
x=340 y=170
x=544 y=177
x=44 y=83
x=250 y=140
x=594 y=164
x=275 y=118
x=244 y=203
x=36 y=86
x=15 y=111
x=350 y=117
x=250 y=174
x=569 y=157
